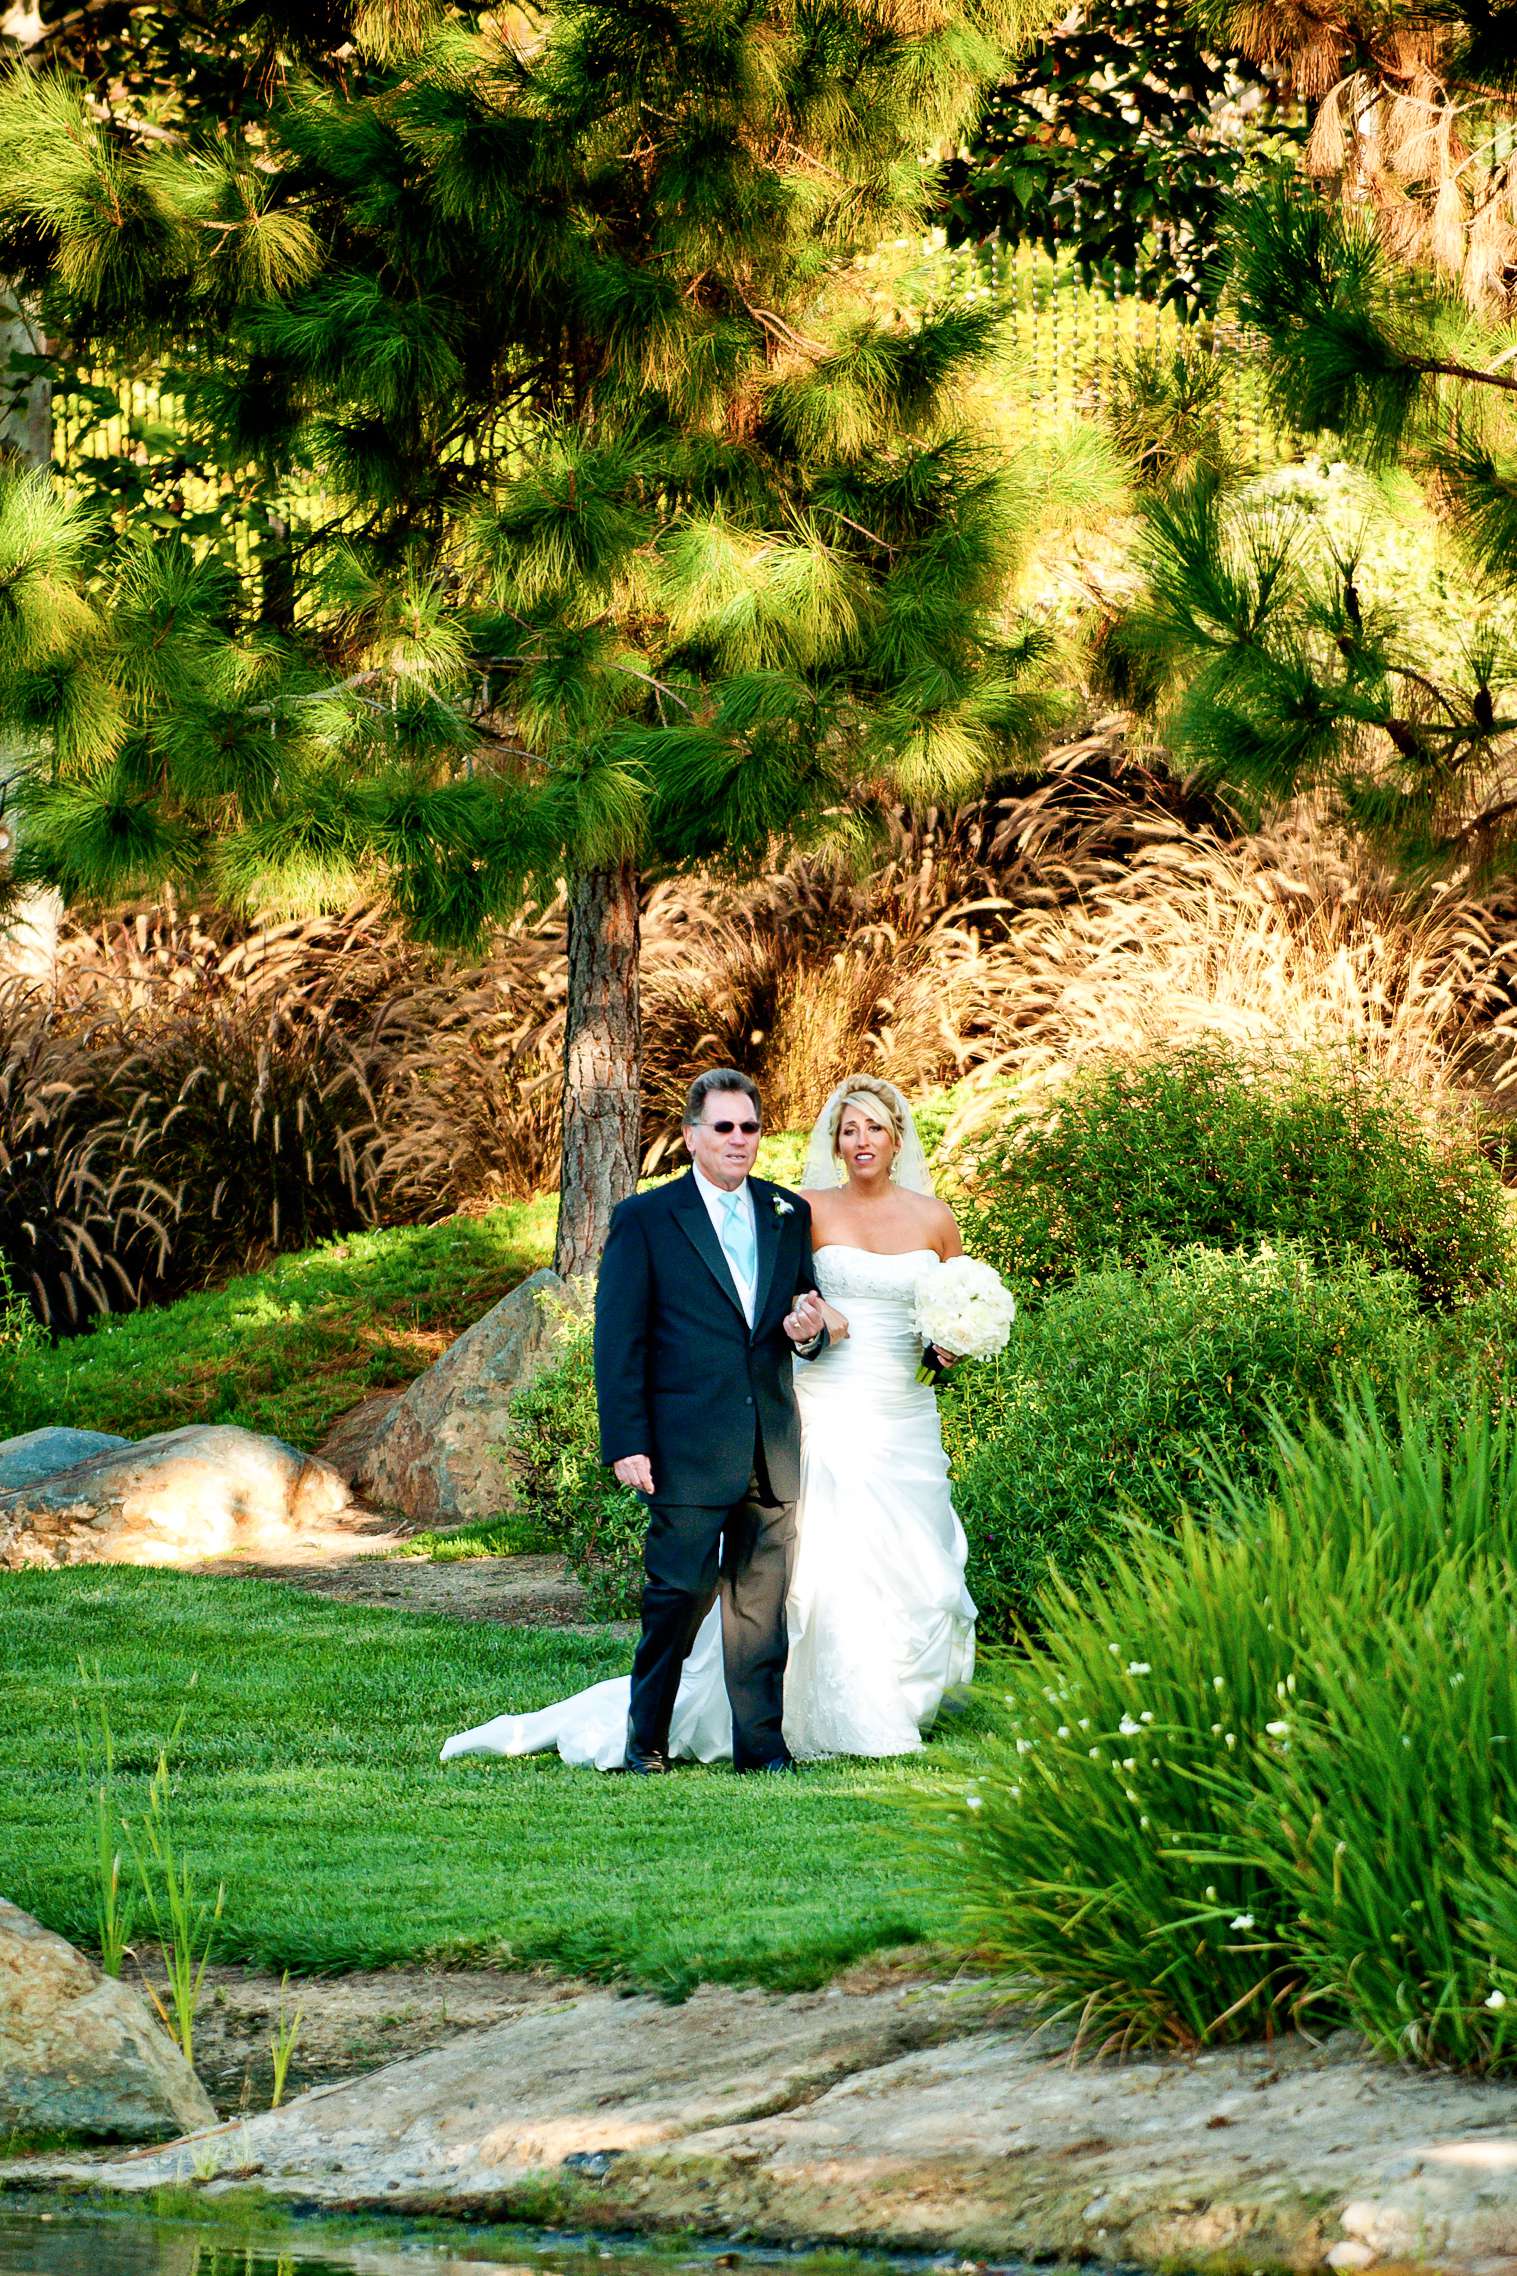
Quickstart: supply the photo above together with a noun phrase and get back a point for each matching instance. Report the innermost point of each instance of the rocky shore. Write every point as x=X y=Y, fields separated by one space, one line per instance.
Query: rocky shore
x=908 y=2116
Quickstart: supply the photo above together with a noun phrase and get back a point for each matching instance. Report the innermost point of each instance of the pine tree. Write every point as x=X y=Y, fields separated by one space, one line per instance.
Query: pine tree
x=638 y=537
x=1380 y=284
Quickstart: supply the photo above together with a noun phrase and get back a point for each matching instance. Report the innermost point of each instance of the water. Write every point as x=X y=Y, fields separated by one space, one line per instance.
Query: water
x=69 y=2242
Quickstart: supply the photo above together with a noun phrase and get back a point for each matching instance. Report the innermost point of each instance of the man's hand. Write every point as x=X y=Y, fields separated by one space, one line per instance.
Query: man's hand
x=807 y=1321
x=635 y=1470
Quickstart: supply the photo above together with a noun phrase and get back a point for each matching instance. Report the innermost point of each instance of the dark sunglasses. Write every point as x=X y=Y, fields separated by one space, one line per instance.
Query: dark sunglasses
x=725 y=1129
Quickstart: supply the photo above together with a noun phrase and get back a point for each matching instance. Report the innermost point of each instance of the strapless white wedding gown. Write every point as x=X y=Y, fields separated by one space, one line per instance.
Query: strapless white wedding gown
x=881 y=1624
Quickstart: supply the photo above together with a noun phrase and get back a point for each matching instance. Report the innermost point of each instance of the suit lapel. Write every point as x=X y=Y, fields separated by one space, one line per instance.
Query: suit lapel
x=690 y=1212
x=766 y=1226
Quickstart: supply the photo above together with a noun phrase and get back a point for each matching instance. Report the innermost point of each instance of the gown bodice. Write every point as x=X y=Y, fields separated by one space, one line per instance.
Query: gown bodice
x=842 y=1273
x=882 y=1351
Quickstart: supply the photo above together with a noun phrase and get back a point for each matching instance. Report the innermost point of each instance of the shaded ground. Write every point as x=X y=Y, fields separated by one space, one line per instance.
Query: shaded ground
x=352 y=1561
x=519 y=1592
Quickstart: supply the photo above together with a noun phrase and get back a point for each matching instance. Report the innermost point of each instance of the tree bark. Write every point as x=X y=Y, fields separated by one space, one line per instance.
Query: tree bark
x=602 y=1061
x=29 y=937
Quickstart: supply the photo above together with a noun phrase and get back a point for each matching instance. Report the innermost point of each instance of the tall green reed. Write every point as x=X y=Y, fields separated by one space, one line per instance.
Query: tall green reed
x=1386 y=1824
x=1262 y=1768
x=184 y=1919
x=283 y=2039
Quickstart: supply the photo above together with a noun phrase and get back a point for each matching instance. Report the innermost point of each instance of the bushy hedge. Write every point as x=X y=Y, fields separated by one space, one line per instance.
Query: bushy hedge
x=1208 y=1144
x=1121 y=1390
x=560 y=1481
x=1263 y=1767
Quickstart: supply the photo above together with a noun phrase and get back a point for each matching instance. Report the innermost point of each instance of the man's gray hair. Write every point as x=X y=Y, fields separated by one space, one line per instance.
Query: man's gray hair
x=719 y=1079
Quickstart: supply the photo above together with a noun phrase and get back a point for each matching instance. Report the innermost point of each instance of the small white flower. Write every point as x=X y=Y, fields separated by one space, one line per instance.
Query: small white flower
x=1277 y=1730
x=1115 y=1651
x=1085 y=1722
x=782 y=1207
x=973 y=1802
x=1229 y=1739
x=1095 y=1754
x=1025 y=1746
x=1147 y=1715
x=1143 y=1822
x=1128 y=1728
x=1211 y=1895
x=1139 y=1667
x=1218 y=1684
x=1129 y=1762
x=1242 y=1920
x=1495 y=2001
x=1063 y=1730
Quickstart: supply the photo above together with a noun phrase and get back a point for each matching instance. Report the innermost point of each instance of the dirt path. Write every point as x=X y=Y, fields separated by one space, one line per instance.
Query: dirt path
x=354 y=1560
x=519 y=1592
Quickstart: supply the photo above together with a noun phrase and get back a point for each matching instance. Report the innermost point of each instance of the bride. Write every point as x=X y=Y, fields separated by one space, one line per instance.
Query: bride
x=880 y=1622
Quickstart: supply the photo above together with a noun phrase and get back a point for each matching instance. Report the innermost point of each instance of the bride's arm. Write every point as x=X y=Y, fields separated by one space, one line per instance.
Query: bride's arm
x=946 y=1238
x=948 y=1242
x=836 y=1322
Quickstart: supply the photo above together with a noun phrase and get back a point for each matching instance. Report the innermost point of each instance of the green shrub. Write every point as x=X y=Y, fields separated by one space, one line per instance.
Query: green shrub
x=1266 y=1763
x=1119 y=1391
x=1207 y=1144
x=562 y=1485
x=22 y=1336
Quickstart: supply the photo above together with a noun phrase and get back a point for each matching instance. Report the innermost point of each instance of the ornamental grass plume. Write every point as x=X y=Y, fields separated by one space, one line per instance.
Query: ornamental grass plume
x=1286 y=938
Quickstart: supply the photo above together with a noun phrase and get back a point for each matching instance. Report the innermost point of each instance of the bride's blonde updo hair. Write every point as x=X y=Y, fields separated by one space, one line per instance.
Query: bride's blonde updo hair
x=872 y=1097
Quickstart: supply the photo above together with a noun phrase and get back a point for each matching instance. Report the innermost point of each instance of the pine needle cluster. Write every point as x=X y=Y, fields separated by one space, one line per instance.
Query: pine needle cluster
x=639 y=541
x=1275 y=674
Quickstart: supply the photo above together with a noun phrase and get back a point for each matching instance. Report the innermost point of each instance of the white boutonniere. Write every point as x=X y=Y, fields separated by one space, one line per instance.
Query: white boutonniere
x=782 y=1207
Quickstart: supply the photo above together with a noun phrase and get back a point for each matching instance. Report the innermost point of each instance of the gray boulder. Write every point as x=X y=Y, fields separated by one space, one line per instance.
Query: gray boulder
x=211 y=1490
x=79 y=2052
x=42 y=1453
x=441 y=1452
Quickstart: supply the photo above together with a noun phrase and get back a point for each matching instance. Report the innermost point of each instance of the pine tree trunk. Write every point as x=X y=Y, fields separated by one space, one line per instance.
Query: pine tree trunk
x=29 y=938
x=602 y=1057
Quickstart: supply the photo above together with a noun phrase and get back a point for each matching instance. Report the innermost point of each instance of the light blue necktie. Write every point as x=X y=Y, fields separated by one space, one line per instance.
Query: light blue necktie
x=738 y=1241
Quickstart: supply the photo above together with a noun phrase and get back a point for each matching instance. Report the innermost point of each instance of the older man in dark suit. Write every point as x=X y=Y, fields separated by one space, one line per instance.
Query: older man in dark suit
x=706 y=1292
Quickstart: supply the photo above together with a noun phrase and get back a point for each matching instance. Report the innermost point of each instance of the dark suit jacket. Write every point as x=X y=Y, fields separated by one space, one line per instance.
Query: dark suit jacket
x=679 y=1374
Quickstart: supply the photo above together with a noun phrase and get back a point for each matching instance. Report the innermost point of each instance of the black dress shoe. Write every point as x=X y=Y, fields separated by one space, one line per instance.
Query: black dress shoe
x=644 y=1762
x=774 y=1768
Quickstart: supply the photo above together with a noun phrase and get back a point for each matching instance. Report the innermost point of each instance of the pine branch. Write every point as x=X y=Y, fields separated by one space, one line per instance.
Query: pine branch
x=1443 y=370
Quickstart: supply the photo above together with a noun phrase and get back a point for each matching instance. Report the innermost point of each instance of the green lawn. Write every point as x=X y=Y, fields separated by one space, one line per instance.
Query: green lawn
x=291 y=1348
x=308 y=1780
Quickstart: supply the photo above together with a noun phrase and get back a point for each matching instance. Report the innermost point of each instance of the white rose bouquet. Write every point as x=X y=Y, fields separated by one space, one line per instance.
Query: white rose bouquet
x=965 y=1308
